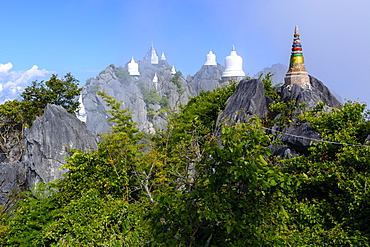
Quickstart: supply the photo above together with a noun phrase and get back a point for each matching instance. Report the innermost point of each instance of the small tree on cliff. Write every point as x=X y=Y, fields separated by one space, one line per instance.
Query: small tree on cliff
x=63 y=91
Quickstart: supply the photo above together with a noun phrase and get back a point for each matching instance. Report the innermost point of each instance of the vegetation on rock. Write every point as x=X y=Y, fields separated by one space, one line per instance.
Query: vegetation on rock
x=186 y=187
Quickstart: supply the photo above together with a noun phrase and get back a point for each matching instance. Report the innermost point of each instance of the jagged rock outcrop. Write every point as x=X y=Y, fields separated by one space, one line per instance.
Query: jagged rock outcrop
x=248 y=100
x=317 y=93
x=206 y=79
x=16 y=176
x=299 y=137
x=283 y=151
x=48 y=141
x=149 y=100
x=46 y=146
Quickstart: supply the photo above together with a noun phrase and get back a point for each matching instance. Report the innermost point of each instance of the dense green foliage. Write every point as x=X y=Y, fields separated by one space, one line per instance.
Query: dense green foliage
x=186 y=187
x=198 y=117
x=56 y=91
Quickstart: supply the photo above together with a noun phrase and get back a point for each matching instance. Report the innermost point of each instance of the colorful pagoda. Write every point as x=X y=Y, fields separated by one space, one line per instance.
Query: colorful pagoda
x=297 y=72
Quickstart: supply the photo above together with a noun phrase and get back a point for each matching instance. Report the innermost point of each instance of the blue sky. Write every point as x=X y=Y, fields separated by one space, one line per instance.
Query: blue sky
x=84 y=36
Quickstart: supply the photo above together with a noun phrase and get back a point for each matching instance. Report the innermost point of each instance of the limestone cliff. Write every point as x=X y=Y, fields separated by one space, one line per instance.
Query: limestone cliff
x=150 y=101
x=206 y=79
x=249 y=100
x=46 y=146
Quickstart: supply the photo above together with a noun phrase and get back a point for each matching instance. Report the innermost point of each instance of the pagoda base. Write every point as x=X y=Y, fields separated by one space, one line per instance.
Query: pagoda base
x=300 y=77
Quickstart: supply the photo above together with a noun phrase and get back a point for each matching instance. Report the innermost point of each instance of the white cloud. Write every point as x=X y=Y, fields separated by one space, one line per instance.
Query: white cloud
x=12 y=82
x=4 y=68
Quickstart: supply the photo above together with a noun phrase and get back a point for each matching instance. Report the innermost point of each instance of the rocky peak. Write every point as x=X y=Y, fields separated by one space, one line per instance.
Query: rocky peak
x=48 y=141
x=249 y=100
x=46 y=146
x=149 y=100
x=317 y=93
x=206 y=79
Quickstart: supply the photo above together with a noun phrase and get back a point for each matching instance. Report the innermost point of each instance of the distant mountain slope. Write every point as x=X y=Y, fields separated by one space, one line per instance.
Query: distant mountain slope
x=150 y=101
x=278 y=70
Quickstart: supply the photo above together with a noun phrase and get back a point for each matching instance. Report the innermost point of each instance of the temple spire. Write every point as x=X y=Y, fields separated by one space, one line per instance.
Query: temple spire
x=297 y=73
x=296 y=31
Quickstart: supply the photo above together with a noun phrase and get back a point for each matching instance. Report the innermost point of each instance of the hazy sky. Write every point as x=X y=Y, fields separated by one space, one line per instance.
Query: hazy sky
x=85 y=36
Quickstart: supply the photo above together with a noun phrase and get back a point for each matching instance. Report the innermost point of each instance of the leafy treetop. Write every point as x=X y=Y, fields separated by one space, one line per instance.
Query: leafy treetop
x=58 y=91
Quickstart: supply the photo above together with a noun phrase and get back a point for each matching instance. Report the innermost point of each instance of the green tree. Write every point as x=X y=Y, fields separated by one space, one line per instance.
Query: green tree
x=99 y=202
x=63 y=92
x=237 y=198
x=331 y=205
x=198 y=117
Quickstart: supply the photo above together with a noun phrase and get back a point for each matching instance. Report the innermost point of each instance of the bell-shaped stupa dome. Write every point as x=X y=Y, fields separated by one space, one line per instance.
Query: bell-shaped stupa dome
x=233 y=66
x=133 y=67
x=173 y=70
x=163 y=57
x=211 y=59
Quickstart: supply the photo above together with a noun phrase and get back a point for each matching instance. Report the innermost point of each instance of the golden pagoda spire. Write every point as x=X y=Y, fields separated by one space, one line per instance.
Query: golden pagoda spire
x=297 y=72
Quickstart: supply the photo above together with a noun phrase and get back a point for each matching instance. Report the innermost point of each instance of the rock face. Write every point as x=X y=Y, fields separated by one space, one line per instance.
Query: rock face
x=206 y=79
x=45 y=149
x=299 y=137
x=15 y=176
x=48 y=141
x=247 y=101
x=318 y=93
x=149 y=101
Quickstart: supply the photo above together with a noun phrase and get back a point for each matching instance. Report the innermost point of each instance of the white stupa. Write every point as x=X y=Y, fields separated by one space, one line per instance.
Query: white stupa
x=133 y=67
x=163 y=57
x=211 y=59
x=151 y=55
x=82 y=112
x=173 y=71
x=233 y=66
x=155 y=81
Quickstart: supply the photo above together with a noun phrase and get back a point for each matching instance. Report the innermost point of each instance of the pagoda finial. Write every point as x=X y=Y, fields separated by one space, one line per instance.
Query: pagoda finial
x=297 y=73
x=233 y=48
x=296 y=30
